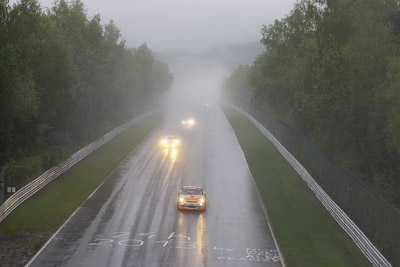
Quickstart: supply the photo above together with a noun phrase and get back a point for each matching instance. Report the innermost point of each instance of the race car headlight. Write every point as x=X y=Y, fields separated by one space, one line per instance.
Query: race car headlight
x=202 y=200
x=181 y=199
x=176 y=142
x=191 y=122
x=164 y=142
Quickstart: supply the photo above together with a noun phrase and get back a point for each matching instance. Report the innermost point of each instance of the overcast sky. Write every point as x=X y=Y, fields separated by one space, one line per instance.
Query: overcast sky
x=193 y=24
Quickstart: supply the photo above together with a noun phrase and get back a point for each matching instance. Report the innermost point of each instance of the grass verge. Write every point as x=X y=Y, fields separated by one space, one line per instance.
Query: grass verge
x=306 y=233
x=46 y=211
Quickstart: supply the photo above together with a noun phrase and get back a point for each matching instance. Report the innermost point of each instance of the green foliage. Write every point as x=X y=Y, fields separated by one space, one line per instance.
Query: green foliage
x=151 y=75
x=331 y=69
x=18 y=98
x=52 y=156
x=64 y=80
x=391 y=96
x=385 y=186
x=23 y=171
x=237 y=85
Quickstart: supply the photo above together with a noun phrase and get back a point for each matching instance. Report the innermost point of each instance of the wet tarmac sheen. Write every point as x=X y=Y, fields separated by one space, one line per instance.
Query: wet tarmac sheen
x=133 y=220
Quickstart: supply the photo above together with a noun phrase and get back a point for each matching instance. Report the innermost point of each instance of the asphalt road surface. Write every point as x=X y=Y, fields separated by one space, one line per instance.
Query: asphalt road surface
x=133 y=220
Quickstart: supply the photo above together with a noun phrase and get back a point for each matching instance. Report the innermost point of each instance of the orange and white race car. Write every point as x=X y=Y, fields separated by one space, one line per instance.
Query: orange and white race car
x=192 y=198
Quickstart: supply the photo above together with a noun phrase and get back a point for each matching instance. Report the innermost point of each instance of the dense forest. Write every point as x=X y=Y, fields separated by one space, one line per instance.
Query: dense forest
x=66 y=79
x=332 y=70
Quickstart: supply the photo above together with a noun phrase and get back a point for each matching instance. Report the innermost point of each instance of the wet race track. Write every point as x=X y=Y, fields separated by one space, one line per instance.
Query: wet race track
x=133 y=220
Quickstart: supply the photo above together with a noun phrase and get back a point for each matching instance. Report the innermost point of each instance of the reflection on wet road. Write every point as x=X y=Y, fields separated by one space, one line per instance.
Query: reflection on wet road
x=133 y=220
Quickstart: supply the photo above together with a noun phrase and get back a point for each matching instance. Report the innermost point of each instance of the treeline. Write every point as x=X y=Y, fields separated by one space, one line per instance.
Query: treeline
x=332 y=70
x=65 y=79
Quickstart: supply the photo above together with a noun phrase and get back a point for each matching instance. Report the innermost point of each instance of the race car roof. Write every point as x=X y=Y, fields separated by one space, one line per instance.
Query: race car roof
x=192 y=186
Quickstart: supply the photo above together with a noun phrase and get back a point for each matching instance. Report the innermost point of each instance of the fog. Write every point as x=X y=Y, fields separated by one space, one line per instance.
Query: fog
x=197 y=82
x=187 y=24
x=196 y=36
x=201 y=41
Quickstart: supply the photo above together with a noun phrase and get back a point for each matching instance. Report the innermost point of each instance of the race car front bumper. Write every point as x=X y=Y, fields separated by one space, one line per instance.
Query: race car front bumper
x=184 y=205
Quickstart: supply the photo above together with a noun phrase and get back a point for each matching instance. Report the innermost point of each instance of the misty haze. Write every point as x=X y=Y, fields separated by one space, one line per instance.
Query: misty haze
x=199 y=133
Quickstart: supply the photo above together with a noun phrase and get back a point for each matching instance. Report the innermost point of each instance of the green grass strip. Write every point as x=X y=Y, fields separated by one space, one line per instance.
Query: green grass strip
x=50 y=208
x=306 y=233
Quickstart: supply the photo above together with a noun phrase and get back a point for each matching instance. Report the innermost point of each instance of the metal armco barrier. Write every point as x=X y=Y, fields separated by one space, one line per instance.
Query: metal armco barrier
x=359 y=238
x=33 y=187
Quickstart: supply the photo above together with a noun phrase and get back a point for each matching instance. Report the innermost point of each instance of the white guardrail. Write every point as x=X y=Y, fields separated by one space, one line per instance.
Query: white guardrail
x=359 y=238
x=33 y=187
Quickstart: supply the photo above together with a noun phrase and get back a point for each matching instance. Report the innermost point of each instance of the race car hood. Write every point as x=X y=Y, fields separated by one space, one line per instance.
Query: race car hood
x=191 y=197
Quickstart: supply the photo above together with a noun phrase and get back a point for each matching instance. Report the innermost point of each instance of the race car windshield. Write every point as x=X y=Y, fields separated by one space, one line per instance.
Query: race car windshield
x=192 y=191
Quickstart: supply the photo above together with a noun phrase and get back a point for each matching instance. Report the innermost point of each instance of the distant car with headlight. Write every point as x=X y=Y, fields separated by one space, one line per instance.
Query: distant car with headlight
x=170 y=141
x=192 y=198
x=187 y=123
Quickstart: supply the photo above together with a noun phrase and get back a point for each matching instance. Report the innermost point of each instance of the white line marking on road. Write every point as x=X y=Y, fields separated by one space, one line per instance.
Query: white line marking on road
x=62 y=226
x=122 y=243
x=97 y=242
x=261 y=201
x=51 y=238
x=171 y=235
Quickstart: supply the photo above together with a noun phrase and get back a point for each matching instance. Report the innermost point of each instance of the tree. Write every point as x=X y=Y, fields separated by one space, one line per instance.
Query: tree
x=237 y=85
x=64 y=80
x=330 y=70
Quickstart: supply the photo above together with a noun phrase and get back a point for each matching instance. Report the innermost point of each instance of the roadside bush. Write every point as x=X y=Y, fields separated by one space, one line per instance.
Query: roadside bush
x=23 y=171
x=53 y=156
